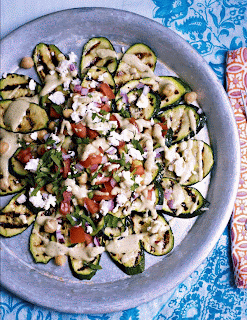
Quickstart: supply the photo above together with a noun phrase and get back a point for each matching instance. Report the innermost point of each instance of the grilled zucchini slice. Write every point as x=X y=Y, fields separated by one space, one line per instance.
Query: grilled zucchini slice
x=37 y=241
x=14 y=185
x=32 y=119
x=82 y=270
x=130 y=256
x=98 y=52
x=188 y=162
x=137 y=62
x=15 y=86
x=139 y=105
x=98 y=74
x=15 y=217
x=158 y=85
x=184 y=121
x=18 y=168
x=180 y=201
x=46 y=58
x=157 y=235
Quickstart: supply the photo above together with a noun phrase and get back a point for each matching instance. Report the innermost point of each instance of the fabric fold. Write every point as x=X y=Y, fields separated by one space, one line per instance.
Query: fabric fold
x=236 y=76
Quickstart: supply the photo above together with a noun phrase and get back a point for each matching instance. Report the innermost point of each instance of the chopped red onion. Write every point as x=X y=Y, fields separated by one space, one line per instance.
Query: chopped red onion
x=113 y=183
x=84 y=91
x=167 y=194
x=96 y=241
x=77 y=88
x=140 y=85
x=65 y=156
x=94 y=167
x=111 y=150
x=104 y=159
x=104 y=99
x=72 y=67
x=170 y=204
x=79 y=167
x=159 y=207
x=146 y=90
x=59 y=236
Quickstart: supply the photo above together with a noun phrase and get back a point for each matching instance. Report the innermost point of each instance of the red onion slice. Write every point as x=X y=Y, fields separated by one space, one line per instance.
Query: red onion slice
x=140 y=85
x=159 y=207
x=79 y=167
x=59 y=236
x=84 y=91
x=96 y=241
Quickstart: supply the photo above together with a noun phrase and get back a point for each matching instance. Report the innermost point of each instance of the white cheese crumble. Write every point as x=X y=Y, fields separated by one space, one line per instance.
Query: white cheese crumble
x=32 y=165
x=34 y=135
x=57 y=97
x=32 y=84
x=21 y=199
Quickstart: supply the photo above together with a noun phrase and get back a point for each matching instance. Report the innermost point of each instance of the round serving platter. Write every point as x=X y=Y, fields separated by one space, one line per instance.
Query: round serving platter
x=111 y=290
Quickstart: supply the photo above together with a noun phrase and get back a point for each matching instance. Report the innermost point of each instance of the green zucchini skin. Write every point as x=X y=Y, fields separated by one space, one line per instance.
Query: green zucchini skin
x=157 y=85
x=35 y=119
x=134 y=97
x=15 y=86
x=207 y=162
x=11 y=222
x=128 y=268
x=94 y=73
x=46 y=58
x=193 y=204
x=143 y=224
x=82 y=270
x=14 y=185
x=182 y=116
x=90 y=55
x=146 y=56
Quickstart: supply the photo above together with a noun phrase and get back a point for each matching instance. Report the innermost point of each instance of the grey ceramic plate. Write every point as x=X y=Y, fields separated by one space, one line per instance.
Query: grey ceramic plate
x=111 y=290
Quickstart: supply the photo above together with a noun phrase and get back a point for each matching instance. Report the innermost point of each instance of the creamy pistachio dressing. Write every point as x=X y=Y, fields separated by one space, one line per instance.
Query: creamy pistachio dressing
x=15 y=113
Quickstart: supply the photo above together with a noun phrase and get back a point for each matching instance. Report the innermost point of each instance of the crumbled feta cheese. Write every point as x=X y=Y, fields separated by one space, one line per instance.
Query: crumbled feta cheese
x=32 y=84
x=104 y=207
x=75 y=117
x=32 y=165
x=114 y=138
x=127 y=178
x=142 y=102
x=37 y=200
x=34 y=135
x=50 y=201
x=134 y=153
x=89 y=229
x=4 y=75
x=121 y=199
x=127 y=135
x=21 y=199
x=57 y=97
x=93 y=84
x=55 y=138
x=76 y=81
x=72 y=57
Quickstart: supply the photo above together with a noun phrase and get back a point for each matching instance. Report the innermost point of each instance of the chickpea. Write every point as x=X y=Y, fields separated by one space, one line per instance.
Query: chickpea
x=27 y=63
x=190 y=97
x=82 y=179
x=49 y=188
x=41 y=134
x=41 y=149
x=50 y=225
x=4 y=184
x=60 y=260
x=80 y=202
x=52 y=125
x=67 y=113
x=27 y=138
x=169 y=89
x=4 y=146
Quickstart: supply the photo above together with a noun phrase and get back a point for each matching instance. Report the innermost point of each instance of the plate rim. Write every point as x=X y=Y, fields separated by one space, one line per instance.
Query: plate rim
x=132 y=301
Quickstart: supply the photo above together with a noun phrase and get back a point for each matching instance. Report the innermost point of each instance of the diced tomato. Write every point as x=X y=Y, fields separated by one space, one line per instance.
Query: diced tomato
x=54 y=113
x=105 y=107
x=92 y=160
x=78 y=235
x=92 y=134
x=164 y=128
x=139 y=170
x=64 y=207
x=106 y=90
x=102 y=179
x=91 y=205
x=24 y=155
x=79 y=129
x=150 y=193
x=133 y=121
x=107 y=189
x=114 y=118
x=67 y=196
x=121 y=145
x=66 y=168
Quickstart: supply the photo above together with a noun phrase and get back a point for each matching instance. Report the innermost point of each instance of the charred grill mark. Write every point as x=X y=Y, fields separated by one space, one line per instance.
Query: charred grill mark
x=166 y=238
x=92 y=48
x=142 y=55
x=191 y=195
x=94 y=62
x=108 y=62
x=8 y=225
x=13 y=86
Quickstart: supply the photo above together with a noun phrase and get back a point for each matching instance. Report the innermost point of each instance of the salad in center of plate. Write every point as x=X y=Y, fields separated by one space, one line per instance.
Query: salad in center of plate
x=97 y=158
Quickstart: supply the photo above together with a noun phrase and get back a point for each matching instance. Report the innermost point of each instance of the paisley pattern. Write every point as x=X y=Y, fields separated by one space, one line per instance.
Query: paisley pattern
x=236 y=72
x=213 y=28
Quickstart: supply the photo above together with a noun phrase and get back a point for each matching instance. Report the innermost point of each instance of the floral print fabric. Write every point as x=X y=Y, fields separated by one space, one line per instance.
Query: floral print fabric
x=236 y=73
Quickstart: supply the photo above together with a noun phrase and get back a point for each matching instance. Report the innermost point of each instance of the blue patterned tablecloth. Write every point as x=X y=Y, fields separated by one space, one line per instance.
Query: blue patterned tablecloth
x=212 y=27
